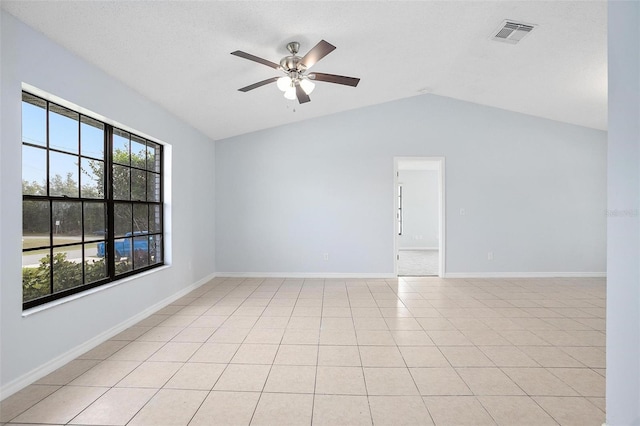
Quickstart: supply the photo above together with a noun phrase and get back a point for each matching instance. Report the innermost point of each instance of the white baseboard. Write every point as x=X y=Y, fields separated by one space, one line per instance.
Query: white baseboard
x=39 y=372
x=525 y=275
x=418 y=248
x=330 y=275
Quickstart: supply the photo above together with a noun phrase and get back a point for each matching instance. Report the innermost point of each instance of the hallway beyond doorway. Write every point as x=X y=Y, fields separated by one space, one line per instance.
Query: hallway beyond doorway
x=419 y=243
x=418 y=263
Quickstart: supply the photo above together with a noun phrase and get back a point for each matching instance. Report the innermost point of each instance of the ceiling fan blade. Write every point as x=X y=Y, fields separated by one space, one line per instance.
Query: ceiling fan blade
x=254 y=58
x=258 y=84
x=318 y=52
x=301 y=95
x=337 y=79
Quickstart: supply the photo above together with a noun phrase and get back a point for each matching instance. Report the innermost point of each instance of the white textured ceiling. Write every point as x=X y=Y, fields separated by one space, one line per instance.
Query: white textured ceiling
x=177 y=54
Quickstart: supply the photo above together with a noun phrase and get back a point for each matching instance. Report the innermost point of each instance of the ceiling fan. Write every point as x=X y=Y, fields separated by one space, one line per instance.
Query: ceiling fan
x=297 y=82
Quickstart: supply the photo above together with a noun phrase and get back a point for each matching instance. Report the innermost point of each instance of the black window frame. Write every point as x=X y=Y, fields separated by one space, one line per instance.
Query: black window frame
x=151 y=240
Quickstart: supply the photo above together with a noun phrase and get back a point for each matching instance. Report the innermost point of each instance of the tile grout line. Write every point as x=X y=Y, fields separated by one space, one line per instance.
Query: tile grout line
x=424 y=404
x=315 y=380
x=364 y=377
x=255 y=409
x=158 y=390
x=210 y=391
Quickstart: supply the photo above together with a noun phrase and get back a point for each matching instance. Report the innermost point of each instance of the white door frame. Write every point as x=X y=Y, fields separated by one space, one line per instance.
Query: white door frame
x=441 y=216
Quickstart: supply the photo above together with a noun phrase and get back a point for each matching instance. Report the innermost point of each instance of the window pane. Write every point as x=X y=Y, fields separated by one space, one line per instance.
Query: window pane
x=92 y=178
x=35 y=224
x=121 y=182
x=122 y=219
x=140 y=218
x=36 y=278
x=101 y=249
x=34 y=171
x=153 y=157
x=123 y=255
x=91 y=252
x=63 y=129
x=92 y=138
x=140 y=252
x=155 y=218
x=67 y=222
x=63 y=175
x=120 y=147
x=153 y=187
x=138 y=185
x=155 y=248
x=95 y=268
x=95 y=225
x=34 y=120
x=67 y=267
x=138 y=152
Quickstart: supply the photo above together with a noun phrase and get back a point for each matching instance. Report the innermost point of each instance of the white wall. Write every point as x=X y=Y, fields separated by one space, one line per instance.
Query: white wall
x=534 y=191
x=623 y=242
x=28 y=343
x=420 y=209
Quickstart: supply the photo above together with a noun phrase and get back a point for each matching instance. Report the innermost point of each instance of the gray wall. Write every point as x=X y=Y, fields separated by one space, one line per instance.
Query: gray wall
x=623 y=242
x=32 y=344
x=534 y=191
x=420 y=209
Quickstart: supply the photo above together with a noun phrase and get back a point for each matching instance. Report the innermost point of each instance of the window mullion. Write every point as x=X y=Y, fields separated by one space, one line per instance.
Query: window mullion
x=108 y=173
x=51 y=225
x=48 y=192
x=80 y=194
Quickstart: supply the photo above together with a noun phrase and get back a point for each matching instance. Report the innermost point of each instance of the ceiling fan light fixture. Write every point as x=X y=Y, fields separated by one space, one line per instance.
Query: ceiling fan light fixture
x=307 y=85
x=284 y=83
x=290 y=93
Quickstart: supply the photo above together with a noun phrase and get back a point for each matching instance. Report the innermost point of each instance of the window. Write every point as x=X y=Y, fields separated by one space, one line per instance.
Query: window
x=91 y=204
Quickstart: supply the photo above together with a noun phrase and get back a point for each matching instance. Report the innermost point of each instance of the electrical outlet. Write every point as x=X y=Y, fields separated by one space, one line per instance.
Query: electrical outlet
x=462 y=212
x=325 y=256
x=490 y=255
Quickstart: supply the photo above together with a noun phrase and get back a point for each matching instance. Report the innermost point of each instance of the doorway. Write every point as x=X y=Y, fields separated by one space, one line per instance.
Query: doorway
x=419 y=243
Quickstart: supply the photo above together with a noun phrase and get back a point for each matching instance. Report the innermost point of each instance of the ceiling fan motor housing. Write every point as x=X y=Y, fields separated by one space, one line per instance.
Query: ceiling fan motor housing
x=292 y=63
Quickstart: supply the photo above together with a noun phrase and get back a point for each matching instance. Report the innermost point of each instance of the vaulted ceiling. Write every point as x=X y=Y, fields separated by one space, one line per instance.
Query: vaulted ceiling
x=177 y=53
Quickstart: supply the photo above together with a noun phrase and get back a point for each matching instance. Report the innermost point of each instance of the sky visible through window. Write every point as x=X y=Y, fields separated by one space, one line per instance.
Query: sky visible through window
x=33 y=131
x=63 y=133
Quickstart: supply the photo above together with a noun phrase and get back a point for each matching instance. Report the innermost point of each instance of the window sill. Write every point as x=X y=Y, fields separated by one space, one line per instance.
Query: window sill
x=44 y=307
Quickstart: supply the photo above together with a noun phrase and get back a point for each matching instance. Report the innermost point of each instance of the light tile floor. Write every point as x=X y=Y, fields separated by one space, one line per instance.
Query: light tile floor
x=418 y=263
x=412 y=351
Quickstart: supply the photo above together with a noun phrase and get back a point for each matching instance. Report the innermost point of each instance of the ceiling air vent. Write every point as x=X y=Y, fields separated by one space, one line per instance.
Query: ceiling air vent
x=511 y=32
